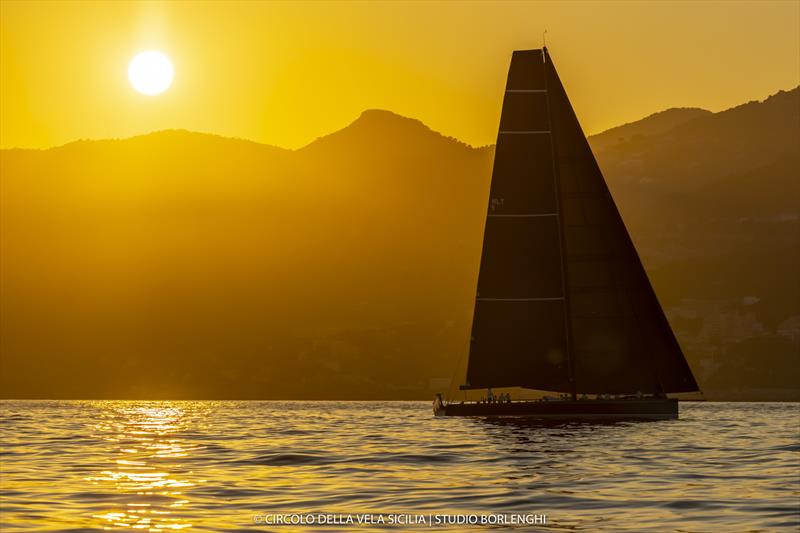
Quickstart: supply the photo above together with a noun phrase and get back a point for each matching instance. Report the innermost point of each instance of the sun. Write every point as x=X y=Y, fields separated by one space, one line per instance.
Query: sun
x=150 y=72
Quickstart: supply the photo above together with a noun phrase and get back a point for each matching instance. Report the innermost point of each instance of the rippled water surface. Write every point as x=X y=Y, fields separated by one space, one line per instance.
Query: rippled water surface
x=212 y=466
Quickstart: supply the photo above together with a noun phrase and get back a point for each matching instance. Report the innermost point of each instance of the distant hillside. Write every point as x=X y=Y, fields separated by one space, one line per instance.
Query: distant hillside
x=730 y=168
x=708 y=147
x=396 y=131
x=713 y=204
x=651 y=125
x=186 y=265
x=179 y=264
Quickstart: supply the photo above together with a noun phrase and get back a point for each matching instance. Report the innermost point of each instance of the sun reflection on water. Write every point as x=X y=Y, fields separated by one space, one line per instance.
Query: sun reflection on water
x=147 y=473
x=213 y=466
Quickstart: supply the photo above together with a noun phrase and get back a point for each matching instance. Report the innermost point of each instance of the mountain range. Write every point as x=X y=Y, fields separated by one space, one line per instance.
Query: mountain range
x=187 y=265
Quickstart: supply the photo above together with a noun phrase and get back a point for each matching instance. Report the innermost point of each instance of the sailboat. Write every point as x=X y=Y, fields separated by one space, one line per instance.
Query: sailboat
x=563 y=303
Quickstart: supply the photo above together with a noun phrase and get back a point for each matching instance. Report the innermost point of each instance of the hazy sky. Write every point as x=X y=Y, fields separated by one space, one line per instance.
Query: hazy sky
x=285 y=73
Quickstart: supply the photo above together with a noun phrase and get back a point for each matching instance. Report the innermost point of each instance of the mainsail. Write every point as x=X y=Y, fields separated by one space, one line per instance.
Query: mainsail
x=563 y=302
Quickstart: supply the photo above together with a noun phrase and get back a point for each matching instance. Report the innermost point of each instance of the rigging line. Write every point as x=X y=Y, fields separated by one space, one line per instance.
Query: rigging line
x=463 y=362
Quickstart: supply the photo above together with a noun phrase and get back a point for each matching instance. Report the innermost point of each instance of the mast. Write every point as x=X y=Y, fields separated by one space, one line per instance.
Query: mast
x=562 y=245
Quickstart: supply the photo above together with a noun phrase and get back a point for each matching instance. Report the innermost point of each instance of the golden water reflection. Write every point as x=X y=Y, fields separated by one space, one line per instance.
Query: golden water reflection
x=147 y=474
x=166 y=466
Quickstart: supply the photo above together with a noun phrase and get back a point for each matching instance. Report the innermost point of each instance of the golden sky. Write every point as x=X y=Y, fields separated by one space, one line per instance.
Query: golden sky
x=286 y=73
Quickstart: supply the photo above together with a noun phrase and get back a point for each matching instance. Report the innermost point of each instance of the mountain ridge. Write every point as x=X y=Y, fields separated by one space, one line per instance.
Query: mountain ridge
x=228 y=269
x=654 y=123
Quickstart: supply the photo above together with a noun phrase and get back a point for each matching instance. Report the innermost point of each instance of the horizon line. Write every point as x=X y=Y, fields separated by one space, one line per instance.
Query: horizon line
x=264 y=144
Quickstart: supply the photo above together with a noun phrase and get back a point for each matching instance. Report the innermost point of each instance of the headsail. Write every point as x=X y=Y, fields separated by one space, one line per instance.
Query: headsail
x=563 y=302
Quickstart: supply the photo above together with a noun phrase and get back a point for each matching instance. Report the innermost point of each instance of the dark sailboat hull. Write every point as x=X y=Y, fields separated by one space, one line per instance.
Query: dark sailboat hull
x=621 y=409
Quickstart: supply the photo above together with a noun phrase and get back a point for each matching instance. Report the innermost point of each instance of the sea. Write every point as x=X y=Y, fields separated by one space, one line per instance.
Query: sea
x=391 y=466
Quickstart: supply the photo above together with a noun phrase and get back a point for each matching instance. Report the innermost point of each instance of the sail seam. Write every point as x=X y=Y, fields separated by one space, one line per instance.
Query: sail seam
x=523 y=215
x=556 y=298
